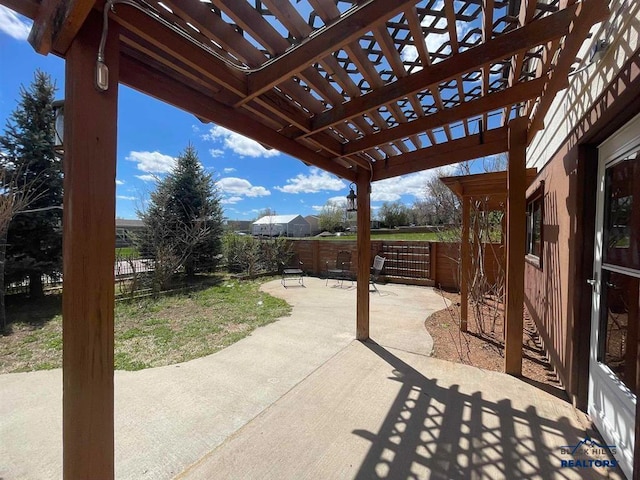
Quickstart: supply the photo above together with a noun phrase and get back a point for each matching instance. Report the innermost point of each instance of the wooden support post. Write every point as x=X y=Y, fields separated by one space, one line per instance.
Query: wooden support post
x=89 y=254
x=516 y=231
x=433 y=262
x=364 y=253
x=465 y=260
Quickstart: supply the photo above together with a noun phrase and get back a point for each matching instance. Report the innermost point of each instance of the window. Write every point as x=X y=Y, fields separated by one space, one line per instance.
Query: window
x=534 y=228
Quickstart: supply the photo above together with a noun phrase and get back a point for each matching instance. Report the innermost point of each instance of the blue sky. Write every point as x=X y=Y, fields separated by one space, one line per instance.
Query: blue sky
x=151 y=134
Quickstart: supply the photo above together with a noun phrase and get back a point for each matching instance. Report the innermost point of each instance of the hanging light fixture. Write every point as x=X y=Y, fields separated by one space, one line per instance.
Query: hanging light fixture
x=58 y=125
x=351 y=200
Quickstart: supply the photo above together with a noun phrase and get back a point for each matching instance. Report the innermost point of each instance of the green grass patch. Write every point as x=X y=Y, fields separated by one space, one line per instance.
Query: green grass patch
x=148 y=332
x=425 y=237
x=127 y=252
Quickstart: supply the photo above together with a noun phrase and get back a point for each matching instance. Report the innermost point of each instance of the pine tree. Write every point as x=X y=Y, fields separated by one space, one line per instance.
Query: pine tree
x=34 y=240
x=183 y=221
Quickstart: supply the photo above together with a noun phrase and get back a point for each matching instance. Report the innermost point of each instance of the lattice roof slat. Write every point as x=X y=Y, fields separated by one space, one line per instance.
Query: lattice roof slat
x=369 y=73
x=454 y=46
x=389 y=86
x=487 y=33
x=425 y=61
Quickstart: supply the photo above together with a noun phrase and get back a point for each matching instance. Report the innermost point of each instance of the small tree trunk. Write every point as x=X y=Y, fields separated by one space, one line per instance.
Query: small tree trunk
x=36 y=289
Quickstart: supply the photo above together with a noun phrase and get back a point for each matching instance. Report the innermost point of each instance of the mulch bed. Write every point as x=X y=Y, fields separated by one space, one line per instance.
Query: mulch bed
x=484 y=346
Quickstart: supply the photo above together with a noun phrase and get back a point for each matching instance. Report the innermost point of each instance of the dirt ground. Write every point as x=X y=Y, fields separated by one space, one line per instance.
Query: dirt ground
x=485 y=349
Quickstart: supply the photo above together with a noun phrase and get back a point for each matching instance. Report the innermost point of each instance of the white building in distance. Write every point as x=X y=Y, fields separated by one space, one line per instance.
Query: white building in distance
x=281 y=225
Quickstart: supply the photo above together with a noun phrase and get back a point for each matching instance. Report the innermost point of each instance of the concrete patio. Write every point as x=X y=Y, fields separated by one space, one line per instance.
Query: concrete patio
x=300 y=399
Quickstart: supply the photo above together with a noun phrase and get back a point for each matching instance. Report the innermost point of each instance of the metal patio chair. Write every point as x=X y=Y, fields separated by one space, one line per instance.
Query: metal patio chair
x=292 y=270
x=378 y=265
x=342 y=269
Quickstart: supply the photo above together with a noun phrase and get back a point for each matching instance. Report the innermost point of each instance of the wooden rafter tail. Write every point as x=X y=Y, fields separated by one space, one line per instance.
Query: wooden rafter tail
x=589 y=13
x=143 y=79
x=498 y=48
x=332 y=38
x=56 y=24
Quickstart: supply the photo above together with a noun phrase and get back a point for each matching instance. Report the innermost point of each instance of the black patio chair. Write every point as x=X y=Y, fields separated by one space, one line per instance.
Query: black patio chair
x=342 y=269
x=292 y=270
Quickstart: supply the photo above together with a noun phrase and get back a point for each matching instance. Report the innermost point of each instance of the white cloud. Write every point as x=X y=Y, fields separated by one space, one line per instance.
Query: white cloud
x=153 y=162
x=147 y=178
x=392 y=189
x=316 y=181
x=231 y=200
x=238 y=187
x=216 y=152
x=409 y=53
x=124 y=197
x=13 y=25
x=229 y=170
x=337 y=201
x=434 y=41
x=120 y=182
x=239 y=144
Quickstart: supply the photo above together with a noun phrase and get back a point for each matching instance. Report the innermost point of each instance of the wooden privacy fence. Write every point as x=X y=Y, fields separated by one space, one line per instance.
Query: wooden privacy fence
x=410 y=262
x=406 y=262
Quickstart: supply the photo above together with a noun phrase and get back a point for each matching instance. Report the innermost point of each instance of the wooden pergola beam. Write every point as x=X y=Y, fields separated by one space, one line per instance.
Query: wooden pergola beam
x=28 y=8
x=454 y=151
x=493 y=101
x=153 y=83
x=180 y=48
x=343 y=31
x=90 y=133
x=538 y=32
x=56 y=24
x=516 y=231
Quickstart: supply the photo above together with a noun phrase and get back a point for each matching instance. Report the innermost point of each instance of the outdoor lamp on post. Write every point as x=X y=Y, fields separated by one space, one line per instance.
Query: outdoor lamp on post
x=58 y=125
x=351 y=200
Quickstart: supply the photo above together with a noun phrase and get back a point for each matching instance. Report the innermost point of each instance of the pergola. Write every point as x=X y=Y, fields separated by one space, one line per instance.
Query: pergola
x=486 y=191
x=366 y=90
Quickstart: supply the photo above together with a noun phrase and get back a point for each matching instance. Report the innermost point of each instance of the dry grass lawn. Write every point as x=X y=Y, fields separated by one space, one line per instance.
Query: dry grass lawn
x=148 y=332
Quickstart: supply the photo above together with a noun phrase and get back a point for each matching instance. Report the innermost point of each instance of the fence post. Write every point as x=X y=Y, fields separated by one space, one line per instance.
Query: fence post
x=433 y=262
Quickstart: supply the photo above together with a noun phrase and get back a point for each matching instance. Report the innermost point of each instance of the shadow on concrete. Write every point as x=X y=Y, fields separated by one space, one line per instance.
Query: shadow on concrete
x=463 y=436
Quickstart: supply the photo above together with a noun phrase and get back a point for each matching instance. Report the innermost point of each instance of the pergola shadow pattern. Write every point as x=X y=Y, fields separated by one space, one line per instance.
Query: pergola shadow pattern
x=458 y=422
x=455 y=435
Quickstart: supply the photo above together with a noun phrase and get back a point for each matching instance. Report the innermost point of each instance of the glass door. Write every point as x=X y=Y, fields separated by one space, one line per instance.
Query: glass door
x=613 y=366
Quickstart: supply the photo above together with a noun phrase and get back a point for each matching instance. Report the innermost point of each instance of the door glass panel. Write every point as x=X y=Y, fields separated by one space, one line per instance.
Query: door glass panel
x=622 y=213
x=619 y=327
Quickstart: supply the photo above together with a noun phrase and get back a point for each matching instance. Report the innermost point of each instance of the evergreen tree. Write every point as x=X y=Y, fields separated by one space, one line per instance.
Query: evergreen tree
x=183 y=221
x=34 y=240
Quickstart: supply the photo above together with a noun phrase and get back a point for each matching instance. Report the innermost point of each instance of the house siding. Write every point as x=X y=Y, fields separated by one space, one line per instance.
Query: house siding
x=597 y=103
